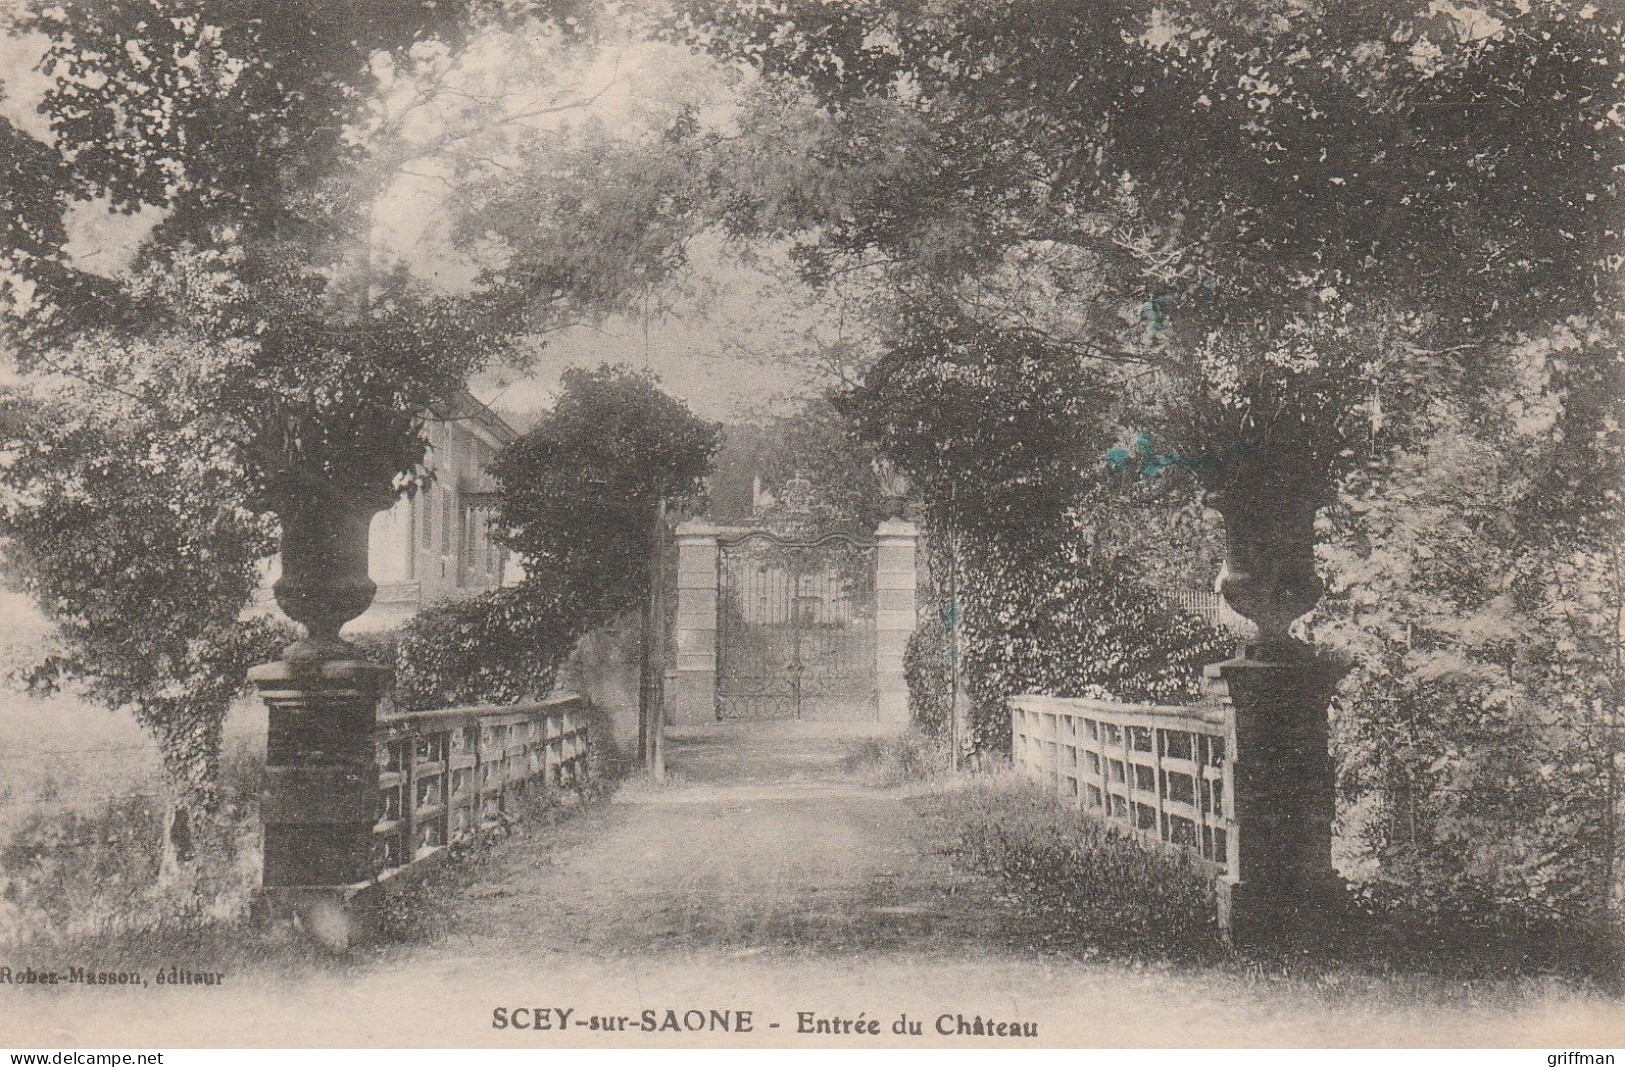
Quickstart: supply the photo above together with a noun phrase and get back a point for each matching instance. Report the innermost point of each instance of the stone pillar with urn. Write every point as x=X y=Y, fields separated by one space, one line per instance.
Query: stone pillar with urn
x=1279 y=882
x=320 y=800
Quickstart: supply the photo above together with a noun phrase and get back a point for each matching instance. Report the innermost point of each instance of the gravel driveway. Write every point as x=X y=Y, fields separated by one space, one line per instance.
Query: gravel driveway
x=762 y=891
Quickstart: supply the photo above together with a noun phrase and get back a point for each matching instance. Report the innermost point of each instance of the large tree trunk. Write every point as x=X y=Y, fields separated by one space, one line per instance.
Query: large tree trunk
x=188 y=735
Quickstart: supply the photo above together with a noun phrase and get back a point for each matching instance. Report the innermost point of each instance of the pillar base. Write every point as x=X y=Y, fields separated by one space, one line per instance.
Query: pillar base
x=891 y=706
x=320 y=801
x=338 y=917
x=1257 y=914
x=1281 y=884
x=692 y=698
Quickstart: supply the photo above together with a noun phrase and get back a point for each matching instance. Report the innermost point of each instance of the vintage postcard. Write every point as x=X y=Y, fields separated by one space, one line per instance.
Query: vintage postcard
x=937 y=524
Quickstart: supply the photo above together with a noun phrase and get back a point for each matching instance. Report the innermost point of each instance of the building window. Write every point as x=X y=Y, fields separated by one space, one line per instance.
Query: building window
x=428 y=518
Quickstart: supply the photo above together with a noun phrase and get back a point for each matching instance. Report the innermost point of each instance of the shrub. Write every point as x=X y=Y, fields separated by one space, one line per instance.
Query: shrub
x=1051 y=614
x=929 y=675
x=500 y=647
x=911 y=756
x=1469 y=931
x=579 y=494
x=1048 y=612
x=1109 y=890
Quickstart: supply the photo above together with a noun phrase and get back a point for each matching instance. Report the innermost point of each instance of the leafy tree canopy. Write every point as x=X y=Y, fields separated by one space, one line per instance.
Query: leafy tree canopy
x=1303 y=217
x=580 y=491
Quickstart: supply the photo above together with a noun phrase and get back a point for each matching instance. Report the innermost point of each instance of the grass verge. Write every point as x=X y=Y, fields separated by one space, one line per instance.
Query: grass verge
x=1111 y=895
x=898 y=759
x=1099 y=886
x=84 y=887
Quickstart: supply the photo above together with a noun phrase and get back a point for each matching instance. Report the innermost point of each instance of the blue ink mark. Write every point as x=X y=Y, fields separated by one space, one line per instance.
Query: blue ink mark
x=1156 y=312
x=1152 y=464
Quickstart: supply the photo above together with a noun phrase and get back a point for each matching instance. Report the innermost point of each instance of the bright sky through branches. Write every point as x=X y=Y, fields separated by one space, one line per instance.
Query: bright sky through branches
x=720 y=343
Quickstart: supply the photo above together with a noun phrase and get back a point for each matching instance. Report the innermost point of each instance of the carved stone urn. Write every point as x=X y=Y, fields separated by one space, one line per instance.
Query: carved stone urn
x=1269 y=563
x=324 y=582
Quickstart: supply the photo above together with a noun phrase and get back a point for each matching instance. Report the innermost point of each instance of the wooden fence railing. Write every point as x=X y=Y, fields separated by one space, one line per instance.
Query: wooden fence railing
x=1162 y=773
x=445 y=776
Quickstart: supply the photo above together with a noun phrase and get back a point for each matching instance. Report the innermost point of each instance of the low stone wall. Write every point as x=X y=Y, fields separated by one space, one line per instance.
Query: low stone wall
x=604 y=668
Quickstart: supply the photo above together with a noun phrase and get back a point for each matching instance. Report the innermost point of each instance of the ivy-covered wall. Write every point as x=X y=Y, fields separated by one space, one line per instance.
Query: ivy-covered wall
x=1050 y=612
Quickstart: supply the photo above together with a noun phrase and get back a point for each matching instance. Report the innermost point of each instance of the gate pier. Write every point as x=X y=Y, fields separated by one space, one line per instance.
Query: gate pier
x=895 y=615
x=693 y=688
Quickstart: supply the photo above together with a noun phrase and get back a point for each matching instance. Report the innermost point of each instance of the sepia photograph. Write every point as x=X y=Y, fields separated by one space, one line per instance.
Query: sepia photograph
x=964 y=525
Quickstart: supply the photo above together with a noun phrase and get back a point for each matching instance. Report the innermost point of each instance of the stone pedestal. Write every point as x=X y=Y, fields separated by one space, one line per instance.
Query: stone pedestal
x=692 y=692
x=320 y=799
x=894 y=616
x=1279 y=884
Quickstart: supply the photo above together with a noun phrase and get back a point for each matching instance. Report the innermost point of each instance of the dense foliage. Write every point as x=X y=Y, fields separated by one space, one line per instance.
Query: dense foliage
x=499 y=647
x=928 y=672
x=1023 y=519
x=243 y=357
x=131 y=527
x=1360 y=257
x=1053 y=614
x=578 y=499
x=580 y=492
x=846 y=489
x=991 y=429
x=261 y=328
x=1477 y=585
x=1274 y=226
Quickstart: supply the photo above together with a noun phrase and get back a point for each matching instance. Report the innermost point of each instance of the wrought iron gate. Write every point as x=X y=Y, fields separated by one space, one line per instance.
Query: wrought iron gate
x=796 y=628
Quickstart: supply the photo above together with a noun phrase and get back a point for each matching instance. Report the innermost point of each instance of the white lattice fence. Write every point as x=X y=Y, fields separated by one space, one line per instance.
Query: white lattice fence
x=1161 y=773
